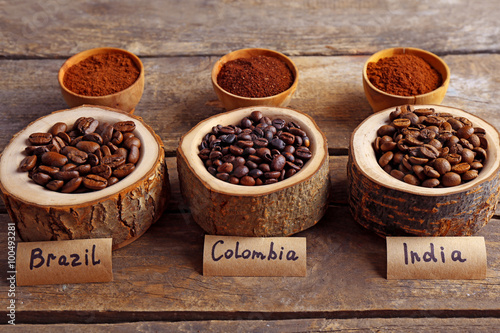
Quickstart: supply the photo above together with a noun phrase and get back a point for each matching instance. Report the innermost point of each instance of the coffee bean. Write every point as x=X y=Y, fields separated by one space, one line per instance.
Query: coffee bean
x=83 y=169
x=411 y=179
x=55 y=185
x=113 y=160
x=102 y=170
x=66 y=175
x=54 y=159
x=58 y=128
x=87 y=125
x=28 y=163
x=40 y=138
x=88 y=146
x=247 y=181
x=72 y=185
x=451 y=179
x=240 y=171
x=94 y=182
x=123 y=170
x=431 y=182
x=469 y=175
x=124 y=126
x=41 y=178
x=278 y=162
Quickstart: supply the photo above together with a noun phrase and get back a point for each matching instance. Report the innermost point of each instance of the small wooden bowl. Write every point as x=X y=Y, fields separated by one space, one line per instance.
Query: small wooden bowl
x=125 y=100
x=279 y=209
x=380 y=100
x=231 y=101
x=391 y=207
x=123 y=211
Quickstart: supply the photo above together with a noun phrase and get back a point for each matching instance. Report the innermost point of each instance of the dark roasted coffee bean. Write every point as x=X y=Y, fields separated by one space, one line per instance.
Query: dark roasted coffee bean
x=287 y=138
x=256 y=116
x=107 y=134
x=132 y=141
x=242 y=137
x=113 y=160
x=223 y=176
x=54 y=159
x=72 y=185
x=87 y=125
x=277 y=144
x=88 y=146
x=93 y=159
x=38 y=139
x=247 y=181
x=225 y=167
x=94 y=182
x=122 y=152
x=41 y=178
x=290 y=172
x=272 y=174
x=123 y=170
x=294 y=166
x=240 y=171
x=77 y=156
x=278 y=162
x=55 y=185
x=245 y=123
x=255 y=173
x=451 y=179
x=264 y=167
x=271 y=181
x=303 y=153
x=251 y=165
x=28 y=163
x=278 y=123
x=112 y=180
x=102 y=170
x=68 y=167
x=235 y=150
x=64 y=136
x=47 y=169
x=260 y=142
x=57 y=128
x=124 y=126
x=83 y=169
x=66 y=175
x=133 y=155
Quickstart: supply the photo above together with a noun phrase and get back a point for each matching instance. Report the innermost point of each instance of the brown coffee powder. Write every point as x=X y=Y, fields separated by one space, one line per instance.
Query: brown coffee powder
x=255 y=77
x=101 y=74
x=403 y=75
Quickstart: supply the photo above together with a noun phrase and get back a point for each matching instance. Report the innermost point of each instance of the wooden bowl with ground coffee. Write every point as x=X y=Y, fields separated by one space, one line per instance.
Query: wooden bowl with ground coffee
x=104 y=76
x=404 y=75
x=257 y=171
x=254 y=76
x=424 y=170
x=86 y=172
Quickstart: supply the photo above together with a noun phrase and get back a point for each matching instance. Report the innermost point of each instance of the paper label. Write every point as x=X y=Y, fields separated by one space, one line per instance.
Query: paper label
x=58 y=262
x=254 y=256
x=436 y=258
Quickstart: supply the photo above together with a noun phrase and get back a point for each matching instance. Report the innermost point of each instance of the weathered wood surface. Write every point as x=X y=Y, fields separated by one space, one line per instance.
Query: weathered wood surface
x=171 y=28
x=178 y=93
x=158 y=281
x=436 y=325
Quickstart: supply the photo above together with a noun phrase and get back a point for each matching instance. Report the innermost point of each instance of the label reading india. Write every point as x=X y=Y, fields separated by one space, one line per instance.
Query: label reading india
x=254 y=256
x=445 y=258
x=69 y=261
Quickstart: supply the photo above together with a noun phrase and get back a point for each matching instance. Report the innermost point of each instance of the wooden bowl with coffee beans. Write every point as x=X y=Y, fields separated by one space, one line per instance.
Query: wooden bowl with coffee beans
x=424 y=170
x=86 y=172
x=256 y=171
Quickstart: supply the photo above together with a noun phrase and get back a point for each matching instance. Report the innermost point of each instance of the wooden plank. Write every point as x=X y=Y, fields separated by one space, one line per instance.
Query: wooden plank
x=178 y=94
x=159 y=277
x=437 y=325
x=59 y=28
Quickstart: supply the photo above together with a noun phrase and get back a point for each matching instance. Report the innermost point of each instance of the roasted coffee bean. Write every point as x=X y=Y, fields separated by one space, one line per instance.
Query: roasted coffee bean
x=87 y=125
x=255 y=173
x=54 y=159
x=112 y=180
x=77 y=156
x=72 y=185
x=303 y=153
x=470 y=175
x=272 y=174
x=397 y=174
x=278 y=162
x=65 y=137
x=83 y=169
x=460 y=168
x=57 y=128
x=93 y=159
x=442 y=165
x=38 y=139
x=41 y=178
x=225 y=167
x=451 y=179
x=94 y=182
x=28 y=163
x=133 y=155
x=113 y=160
x=94 y=137
x=107 y=134
x=68 y=167
x=223 y=176
x=240 y=171
x=411 y=179
x=277 y=143
x=48 y=170
x=66 y=175
x=124 y=126
x=55 y=185
x=122 y=152
x=102 y=170
x=123 y=170
x=88 y=146
x=430 y=182
x=247 y=181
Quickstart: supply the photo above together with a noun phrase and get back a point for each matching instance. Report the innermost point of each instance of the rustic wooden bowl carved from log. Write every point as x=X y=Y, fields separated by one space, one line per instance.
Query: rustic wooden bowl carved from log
x=279 y=209
x=391 y=207
x=232 y=101
x=125 y=100
x=123 y=211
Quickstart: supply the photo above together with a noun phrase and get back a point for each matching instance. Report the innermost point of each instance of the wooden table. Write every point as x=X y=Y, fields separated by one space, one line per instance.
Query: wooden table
x=158 y=282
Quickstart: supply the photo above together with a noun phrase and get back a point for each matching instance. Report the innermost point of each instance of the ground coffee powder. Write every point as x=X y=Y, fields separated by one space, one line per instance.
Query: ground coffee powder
x=255 y=77
x=403 y=75
x=101 y=74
